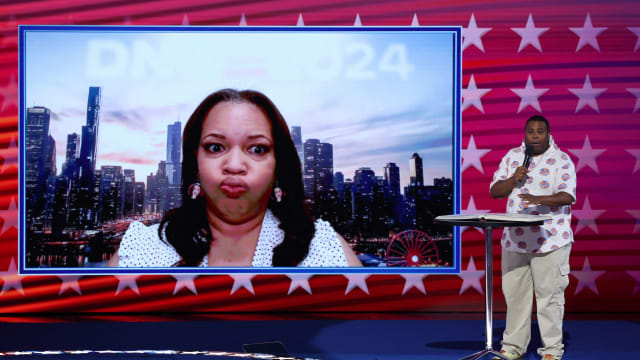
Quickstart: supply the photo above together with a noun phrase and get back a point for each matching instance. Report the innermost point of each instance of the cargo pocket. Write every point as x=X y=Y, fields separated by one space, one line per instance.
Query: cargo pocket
x=563 y=282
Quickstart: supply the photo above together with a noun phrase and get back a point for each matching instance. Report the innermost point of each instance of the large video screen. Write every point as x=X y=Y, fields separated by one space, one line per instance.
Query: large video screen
x=373 y=114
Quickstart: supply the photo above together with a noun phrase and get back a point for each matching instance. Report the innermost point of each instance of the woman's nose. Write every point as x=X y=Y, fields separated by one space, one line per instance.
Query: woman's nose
x=235 y=163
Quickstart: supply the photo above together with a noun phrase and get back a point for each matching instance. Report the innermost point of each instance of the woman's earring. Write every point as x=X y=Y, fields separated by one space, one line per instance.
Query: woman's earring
x=194 y=191
x=278 y=194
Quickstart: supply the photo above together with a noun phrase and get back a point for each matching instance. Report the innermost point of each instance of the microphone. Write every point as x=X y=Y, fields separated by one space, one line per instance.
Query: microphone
x=528 y=154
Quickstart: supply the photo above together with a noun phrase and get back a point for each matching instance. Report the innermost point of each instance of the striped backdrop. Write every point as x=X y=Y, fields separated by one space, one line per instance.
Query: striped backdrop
x=576 y=62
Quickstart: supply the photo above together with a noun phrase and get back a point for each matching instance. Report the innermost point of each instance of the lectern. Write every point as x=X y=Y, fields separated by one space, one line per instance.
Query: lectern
x=489 y=222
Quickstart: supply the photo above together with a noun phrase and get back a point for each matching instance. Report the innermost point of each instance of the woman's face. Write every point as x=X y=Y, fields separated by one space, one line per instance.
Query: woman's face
x=278 y=194
x=195 y=191
x=236 y=161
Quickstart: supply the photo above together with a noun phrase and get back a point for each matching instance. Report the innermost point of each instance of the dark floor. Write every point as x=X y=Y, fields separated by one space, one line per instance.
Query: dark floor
x=395 y=337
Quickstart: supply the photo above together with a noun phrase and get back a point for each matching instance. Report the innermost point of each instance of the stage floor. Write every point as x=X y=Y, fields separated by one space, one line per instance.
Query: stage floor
x=325 y=336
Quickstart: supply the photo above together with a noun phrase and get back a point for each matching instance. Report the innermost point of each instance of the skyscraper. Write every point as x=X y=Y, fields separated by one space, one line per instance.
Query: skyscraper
x=73 y=150
x=296 y=136
x=415 y=170
x=138 y=196
x=363 y=183
x=112 y=192
x=38 y=150
x=129 y=192
x=82 y=199
x=174 y=165
x=318 y=167
x=338 y=183
x=392 y=176
x=89 y=147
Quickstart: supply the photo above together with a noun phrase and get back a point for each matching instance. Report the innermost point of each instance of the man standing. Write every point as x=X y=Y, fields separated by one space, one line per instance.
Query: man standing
x=536 y=258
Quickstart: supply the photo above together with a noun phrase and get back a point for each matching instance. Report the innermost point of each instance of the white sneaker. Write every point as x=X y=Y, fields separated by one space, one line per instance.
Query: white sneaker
x=509 y=355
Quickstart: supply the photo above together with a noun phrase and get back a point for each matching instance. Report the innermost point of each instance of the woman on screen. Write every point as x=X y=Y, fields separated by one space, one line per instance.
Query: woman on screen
x=237 y=150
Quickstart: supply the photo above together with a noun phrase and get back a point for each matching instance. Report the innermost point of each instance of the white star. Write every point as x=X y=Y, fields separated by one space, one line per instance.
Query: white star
x=587 y=277
x=127 y=281
x=636 y=30
x=10 y=154
x=472 y=95
x=9 y=94
x=300 y=20
x=636 y=93
x=636 y=276
x=587 y=95
x=243 y=20
x=471 y=210
x=529 y=95
x=636 y=215
x=530 y=34
x=10 y=216
x=471 y=278
x=242 y=281
x=185 y=19
x=357 y=22
x=588 y=34
x=69 y=282
x=587 y=155
x=414 y=21
x=185 y=281
x=636 y=154
x=299 y=281
x=414 y=281
x=472 y=34
x=357 y=281
x=471 y=156
x=587 y=216
x=11 y=279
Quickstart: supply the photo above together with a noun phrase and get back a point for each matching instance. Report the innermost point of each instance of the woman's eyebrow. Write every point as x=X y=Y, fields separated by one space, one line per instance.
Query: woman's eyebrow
x=256 y=136
x=215 y=135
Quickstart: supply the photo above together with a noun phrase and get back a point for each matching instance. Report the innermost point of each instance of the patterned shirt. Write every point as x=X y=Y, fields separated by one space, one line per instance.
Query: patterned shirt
x=549 y=173
x=141 y=246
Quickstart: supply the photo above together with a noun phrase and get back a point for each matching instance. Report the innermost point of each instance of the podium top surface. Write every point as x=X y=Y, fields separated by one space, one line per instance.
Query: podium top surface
x=493 y=220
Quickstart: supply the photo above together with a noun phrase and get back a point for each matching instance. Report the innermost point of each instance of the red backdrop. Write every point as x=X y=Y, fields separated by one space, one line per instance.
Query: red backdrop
x=576 y=62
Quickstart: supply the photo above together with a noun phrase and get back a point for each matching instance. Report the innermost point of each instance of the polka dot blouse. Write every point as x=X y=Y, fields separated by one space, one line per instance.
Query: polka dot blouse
x=141 y=246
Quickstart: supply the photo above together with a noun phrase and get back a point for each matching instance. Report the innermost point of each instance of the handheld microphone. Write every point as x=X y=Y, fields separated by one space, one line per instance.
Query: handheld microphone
x=528 y=154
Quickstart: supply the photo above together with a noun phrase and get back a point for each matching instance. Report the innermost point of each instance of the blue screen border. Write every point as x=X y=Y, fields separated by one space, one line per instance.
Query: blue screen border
x=455 y=31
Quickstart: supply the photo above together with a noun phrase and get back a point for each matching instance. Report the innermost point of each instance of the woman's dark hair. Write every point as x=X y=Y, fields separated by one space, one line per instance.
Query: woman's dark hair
x=186 y=228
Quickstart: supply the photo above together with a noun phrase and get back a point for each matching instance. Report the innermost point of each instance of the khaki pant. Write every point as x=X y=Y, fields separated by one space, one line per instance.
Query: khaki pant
x=548 y=275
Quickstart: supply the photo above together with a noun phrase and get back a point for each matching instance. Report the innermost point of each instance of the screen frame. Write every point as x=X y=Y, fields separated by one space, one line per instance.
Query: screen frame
x=455 y=31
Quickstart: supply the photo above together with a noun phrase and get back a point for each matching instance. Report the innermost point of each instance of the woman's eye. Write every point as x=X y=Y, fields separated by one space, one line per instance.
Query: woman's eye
x=213 y=148
x=258 y=149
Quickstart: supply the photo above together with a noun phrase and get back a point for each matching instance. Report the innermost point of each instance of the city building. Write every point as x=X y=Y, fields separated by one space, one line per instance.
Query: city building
x=174 y=159
x=416 y=176
x=296 y=136
x=39 y=160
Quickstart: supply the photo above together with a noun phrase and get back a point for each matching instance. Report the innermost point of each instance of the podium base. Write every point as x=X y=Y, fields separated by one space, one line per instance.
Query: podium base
x=483 y=353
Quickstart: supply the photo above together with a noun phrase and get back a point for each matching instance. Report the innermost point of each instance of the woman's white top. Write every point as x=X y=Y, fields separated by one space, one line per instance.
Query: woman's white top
x=142 y=247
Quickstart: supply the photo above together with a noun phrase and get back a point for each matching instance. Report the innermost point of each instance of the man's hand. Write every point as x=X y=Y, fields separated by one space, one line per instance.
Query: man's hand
x=559 y=199
x=531 y=199
x=520 y=174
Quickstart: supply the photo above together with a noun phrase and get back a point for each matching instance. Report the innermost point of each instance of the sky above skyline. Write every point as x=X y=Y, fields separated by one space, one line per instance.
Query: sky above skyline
x=378 y=97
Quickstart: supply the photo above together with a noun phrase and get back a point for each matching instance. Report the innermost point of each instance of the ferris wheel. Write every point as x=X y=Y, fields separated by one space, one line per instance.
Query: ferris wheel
x=412 y=248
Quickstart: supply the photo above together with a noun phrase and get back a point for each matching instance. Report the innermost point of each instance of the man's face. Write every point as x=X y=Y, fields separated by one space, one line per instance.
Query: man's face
x=537 y=137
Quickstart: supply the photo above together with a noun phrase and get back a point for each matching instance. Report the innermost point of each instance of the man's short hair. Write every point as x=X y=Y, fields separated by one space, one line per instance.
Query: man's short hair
x=538 y=118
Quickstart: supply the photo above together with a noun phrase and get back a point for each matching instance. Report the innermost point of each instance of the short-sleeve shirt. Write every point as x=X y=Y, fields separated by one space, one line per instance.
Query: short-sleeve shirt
x=142 y=247
x=549 y=173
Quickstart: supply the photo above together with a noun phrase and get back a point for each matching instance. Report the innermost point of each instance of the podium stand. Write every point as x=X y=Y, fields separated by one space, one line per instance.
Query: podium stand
x=489 y=222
